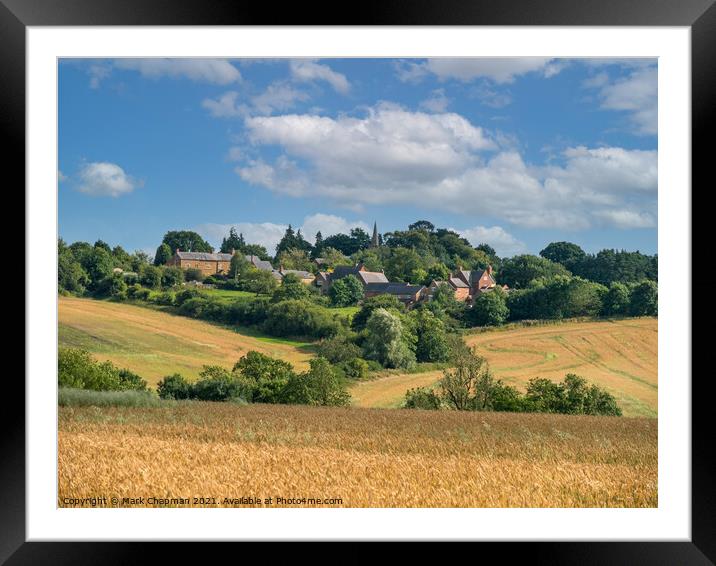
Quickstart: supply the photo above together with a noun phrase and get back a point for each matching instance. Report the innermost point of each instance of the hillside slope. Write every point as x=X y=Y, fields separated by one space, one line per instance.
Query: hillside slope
x=154 y=343
x=619 y=355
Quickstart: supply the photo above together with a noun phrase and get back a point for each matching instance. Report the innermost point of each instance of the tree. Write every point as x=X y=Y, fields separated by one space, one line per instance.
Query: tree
x=402 y=263
x=257 y=250
x=521 y=270
x=470 y=385
x=566 y=253
x=422 y=398
x=174 y=386
x=487 y=249
x=258 y=281
x=318 y=244
x=292 y=240
x=294 y=259
x=319 y=386
x=370 y=305
x=234 y=242
x=238 y=266
x=172 y=276
x=332 y=257
x=346 y=291
x=104 y=245
x=98 y=264
x=616 y=301
x=438 y=272
x=263 y=376
x=194 y=274
x=422 y=225
x=432 y=344
x=291 y=288
x=186 y=241
x=151 y=276
x=644 y=299
x=71 y=276
x=385 y=341
x=489 y=309
x=162 y=255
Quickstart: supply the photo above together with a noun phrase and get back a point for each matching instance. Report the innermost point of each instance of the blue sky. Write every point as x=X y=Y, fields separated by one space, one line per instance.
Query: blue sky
x=515 y=152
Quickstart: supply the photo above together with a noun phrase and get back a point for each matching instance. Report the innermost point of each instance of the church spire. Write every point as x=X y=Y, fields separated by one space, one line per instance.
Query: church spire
x=375 y=242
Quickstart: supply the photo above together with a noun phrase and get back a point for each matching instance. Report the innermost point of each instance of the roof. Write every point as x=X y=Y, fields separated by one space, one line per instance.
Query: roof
x=394 y=288
x=341 y=271
x=202 y=256
x=259 y=263
x=372 y=277
x=298 y=272
x=458 y=283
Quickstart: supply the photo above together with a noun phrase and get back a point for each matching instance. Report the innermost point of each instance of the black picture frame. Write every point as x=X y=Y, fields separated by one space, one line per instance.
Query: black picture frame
x=699 y=15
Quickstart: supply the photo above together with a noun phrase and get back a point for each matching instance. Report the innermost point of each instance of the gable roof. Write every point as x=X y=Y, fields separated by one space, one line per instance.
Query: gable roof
x=259 y=263
x=458 y=283
x=202 y=256
x=298 y=273
x=371 y=277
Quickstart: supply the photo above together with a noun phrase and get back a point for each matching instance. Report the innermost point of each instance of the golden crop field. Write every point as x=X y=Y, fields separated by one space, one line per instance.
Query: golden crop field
x=355 y=457
x=619 y=355
x=153 y=343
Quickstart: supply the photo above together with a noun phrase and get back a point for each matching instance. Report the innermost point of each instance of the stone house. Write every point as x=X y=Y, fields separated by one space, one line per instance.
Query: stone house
x=208 y=264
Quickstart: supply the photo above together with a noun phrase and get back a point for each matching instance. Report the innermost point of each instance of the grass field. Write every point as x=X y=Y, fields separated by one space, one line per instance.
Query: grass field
x=153 y=343
x=619 y=355
x=358 y=457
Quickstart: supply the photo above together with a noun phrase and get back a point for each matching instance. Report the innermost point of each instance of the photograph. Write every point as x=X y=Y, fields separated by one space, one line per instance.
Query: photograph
x=358 y=282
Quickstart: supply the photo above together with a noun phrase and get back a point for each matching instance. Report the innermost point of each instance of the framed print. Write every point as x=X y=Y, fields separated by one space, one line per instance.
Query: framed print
x=388 y=279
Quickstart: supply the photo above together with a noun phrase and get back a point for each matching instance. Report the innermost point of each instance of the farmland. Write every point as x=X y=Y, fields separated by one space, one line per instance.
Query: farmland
x=364 y=457
x=153 y=343
x=619 y=355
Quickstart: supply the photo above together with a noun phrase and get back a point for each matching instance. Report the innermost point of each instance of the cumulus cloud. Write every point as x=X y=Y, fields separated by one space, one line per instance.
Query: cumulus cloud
x=105 y=179
x=309 y=71
x=214 y=71
x=466 y=69
x=635 y=94
x=443 y=162
x=269 y=234
x=505 y=244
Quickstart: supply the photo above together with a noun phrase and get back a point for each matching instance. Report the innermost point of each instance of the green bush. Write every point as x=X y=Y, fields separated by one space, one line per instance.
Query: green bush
x=193 y=274
x=422 y=398
x=337 y=349
x=185 y=294
x=166 y=298
x=356 y=368
x=174 y=386
x=321 y=385
x=216 y=384
x=247 y=312
x=300 y=318
x=76 y=369
x=263 y=377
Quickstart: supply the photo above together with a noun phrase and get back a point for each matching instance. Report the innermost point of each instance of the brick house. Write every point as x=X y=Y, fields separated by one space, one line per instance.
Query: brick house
x=405 y=292
x=208 y=264
x=477 y=281
x=461 y=289
x=359 y=271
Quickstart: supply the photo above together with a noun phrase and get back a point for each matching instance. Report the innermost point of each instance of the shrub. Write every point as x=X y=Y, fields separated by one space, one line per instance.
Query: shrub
x=112 y=286
x=246 y=313
x=291 y=288
x=216 y=384
x=263 y=377
x=320 y=385
x=422 y=398
x=172 y=276
x=174 y=387
x=185 y=294
x=138 y=292
x=76 y=369
x=616 y=300
x=165 y=298
x=371 y=304
x=432 y=344
x=356 y=368
x=300 y=318
x=151 y=276
x=193 y=274
x=337 y=349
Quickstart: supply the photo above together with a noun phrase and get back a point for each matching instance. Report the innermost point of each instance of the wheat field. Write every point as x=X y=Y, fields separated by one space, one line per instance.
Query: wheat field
x=353 y=457
x=619 y=355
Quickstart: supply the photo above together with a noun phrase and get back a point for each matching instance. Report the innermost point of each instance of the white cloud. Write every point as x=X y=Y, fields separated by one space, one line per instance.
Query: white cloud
x=277 y=97
x=268 y=234
x=437 y=102
x=635 y=93
x=436 y=162
x=505 y=244
x=105 y=179
x=627 y=218
x=467 y=69
x=308 y=71
x=215 y=71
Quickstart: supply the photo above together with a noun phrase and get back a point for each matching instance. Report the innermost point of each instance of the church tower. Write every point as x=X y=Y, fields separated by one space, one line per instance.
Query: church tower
x=374 y=243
